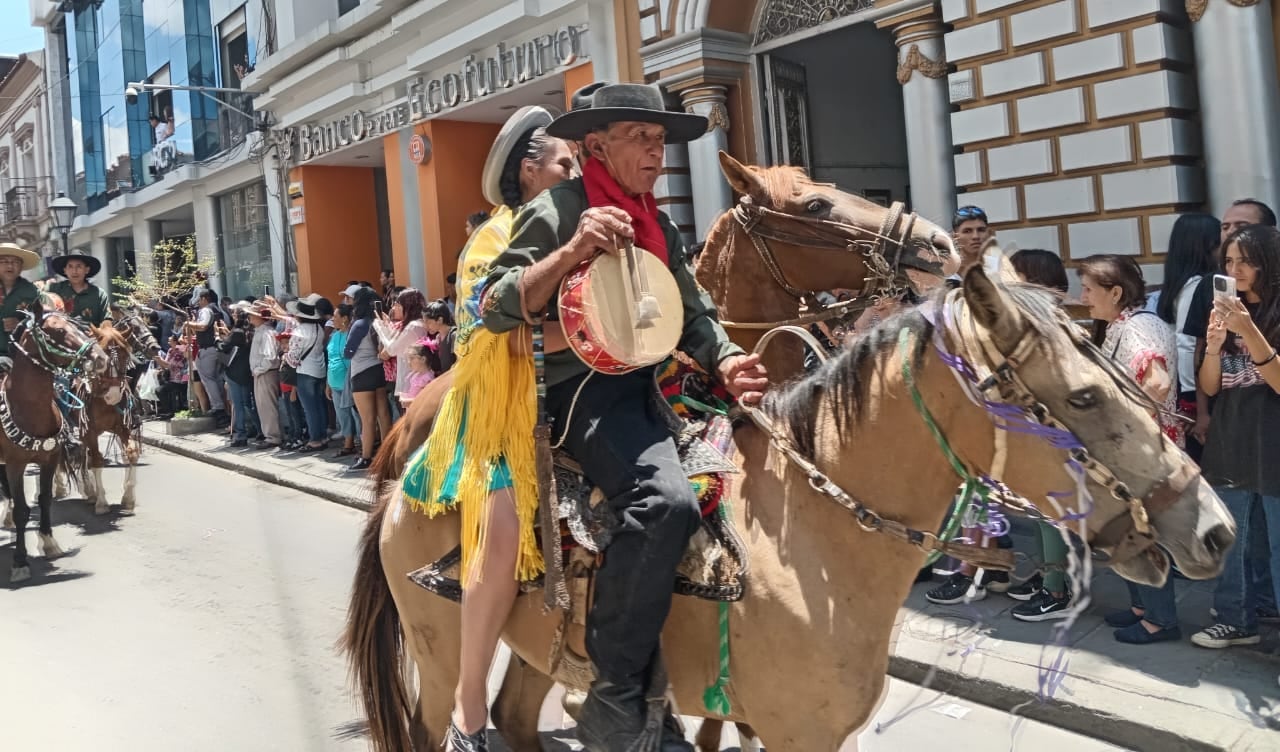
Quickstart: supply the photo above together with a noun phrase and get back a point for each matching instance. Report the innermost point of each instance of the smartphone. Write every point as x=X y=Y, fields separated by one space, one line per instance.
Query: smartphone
x=266 y=291
x=377 y=304
x=1224 y=287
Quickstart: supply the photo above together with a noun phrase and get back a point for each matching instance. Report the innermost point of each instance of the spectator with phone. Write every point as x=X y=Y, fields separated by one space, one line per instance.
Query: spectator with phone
x=368 y=384
x=1241 y=459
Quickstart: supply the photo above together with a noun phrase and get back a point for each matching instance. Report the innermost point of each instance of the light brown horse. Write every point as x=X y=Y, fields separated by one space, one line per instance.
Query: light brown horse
x=43 y=347
x=818 y=577
x=111 y=408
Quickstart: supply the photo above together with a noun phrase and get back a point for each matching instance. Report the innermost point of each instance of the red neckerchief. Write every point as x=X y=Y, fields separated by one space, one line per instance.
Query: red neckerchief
x=603 y=190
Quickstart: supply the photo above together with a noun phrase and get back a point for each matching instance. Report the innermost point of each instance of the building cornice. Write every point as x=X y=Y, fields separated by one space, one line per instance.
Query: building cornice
x=694 y=46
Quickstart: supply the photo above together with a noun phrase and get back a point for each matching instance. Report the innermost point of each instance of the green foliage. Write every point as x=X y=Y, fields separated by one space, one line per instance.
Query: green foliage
x=176 y=268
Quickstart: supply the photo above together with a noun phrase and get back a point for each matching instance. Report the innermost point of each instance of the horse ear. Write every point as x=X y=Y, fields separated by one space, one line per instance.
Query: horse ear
x=993 y=309
x=743 y=181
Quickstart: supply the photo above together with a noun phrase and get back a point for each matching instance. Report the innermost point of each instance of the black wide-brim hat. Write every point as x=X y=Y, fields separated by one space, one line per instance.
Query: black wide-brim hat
x=59 y=263
x=628 y=103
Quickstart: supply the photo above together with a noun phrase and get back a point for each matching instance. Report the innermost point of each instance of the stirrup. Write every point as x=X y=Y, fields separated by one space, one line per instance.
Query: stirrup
x=456 y=741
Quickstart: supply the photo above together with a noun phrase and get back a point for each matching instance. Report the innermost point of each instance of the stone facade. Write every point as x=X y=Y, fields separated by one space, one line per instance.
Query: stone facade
x=1077 y=126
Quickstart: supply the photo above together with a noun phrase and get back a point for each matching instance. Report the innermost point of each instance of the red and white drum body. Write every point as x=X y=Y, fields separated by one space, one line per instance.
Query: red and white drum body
x=599 y=316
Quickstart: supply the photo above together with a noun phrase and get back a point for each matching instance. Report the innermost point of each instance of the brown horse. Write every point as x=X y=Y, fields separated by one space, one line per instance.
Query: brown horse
x=44 y=346
x=790 y=236
x=111 y=407
x=863 y=405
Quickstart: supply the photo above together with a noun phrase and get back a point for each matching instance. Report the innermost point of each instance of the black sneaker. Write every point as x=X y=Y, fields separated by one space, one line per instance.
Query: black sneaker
x=1027 y=589
x=239 y=443
x=1043 y=606
x=956 y=589
x=361 y=464
x=1224 y=636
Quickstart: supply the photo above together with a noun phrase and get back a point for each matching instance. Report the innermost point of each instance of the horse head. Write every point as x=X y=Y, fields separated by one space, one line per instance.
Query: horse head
x=113 y=381
x=141 y=340
x=790 y=238
x=53 y=341
x=993 y=381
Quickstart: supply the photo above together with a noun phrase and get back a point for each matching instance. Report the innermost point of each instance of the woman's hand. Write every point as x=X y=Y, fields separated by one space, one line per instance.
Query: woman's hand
x=1201 y=429
x=1157 y=383
x=1215 y=336
x=328 y=392
x=1232 y=313
x=382 y=355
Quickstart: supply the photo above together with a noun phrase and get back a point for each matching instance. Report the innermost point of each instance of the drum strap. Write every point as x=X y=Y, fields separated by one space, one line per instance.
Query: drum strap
x=556 y=590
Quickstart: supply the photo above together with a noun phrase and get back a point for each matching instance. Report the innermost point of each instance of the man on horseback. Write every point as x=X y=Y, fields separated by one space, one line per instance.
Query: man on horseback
x=607 y=422
x=16 y=292
x=85 y=301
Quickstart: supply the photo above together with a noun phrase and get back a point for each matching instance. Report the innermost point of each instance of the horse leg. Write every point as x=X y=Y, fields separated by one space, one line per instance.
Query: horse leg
x=708 y=739
x=437 y=678
x=49 y=547
x=131 y=451
x=13 y=473
x=515 y=710
x=60 y=489
x=96 y=492
x=748 y=739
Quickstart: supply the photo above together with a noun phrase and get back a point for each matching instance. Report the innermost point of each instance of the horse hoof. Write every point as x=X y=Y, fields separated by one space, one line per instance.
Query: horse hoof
x=19 y=574
x=49 y=547
x=128 y=503
x=101 y=508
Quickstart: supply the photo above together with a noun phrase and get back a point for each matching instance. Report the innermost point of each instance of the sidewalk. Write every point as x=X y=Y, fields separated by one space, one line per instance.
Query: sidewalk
x=1167 y=697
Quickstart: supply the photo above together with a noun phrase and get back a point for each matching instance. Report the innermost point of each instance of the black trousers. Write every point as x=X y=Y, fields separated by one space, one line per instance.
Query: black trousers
x=626 y=450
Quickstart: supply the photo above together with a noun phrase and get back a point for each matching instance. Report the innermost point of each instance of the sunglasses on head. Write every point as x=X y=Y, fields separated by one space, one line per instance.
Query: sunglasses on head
x=966 y=213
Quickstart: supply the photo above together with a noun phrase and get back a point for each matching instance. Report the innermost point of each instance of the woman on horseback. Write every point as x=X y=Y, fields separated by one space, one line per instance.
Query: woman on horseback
x=487 y=416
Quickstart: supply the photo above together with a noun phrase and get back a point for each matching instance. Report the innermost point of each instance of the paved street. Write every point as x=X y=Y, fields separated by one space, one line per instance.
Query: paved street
x=206 y=623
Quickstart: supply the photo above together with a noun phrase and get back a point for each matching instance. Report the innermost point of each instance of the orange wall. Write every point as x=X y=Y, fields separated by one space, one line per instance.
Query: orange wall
x=576 y=78
x=338 y=241
x=396 y=163
x=448 y=191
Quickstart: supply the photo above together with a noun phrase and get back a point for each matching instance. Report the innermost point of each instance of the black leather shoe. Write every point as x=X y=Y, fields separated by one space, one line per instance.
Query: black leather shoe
x=613 y=717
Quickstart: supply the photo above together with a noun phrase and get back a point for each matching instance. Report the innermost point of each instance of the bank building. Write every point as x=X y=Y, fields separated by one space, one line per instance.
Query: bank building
x=346 y=136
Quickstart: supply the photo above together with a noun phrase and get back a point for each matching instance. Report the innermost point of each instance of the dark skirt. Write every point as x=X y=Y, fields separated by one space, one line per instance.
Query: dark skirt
x=369 y=380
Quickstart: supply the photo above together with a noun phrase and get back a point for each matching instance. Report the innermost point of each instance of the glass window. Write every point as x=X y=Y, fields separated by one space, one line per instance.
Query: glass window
x=346 y=6
x=245 y=240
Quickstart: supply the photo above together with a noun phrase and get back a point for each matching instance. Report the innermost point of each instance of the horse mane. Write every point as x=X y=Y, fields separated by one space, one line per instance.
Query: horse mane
x=109 y=335
x=844 y=380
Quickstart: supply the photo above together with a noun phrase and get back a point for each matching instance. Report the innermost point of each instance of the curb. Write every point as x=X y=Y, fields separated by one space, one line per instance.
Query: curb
x=1022 y=702
x=265 y=476
x=1122 y=731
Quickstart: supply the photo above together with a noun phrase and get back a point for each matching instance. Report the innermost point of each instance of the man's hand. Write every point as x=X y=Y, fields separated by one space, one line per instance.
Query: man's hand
x=10 y=322
x=744 y=377
x=600 y=228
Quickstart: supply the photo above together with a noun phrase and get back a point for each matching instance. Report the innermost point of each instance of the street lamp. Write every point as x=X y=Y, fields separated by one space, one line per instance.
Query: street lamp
x=63 y=210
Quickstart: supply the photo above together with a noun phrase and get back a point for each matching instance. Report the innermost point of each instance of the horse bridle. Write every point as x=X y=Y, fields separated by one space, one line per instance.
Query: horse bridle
x=1125 y=536
x=45 y=347
x=760 y=225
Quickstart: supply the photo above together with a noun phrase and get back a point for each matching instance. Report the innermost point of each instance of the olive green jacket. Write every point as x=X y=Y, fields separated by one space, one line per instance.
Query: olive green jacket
x=23 y=294
x=90 y=305
x=546 y=224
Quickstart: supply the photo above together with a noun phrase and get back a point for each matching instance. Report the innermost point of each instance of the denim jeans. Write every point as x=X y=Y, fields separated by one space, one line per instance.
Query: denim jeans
x=1237 y=596
x=1159 y=605
x=348 y=420
x=620 y=440
x=314 y=406
x=292 y=424
x=246 y=419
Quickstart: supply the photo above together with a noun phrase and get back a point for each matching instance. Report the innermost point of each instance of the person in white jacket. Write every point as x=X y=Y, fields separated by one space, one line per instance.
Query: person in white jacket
x=400 y=332
x=264 y=363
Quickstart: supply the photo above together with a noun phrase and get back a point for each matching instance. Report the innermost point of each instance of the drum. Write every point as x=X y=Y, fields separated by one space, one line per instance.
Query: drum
x=621 y=312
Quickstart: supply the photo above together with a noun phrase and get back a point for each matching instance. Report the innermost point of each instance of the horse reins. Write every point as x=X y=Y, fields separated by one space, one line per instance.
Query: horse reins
x=826 y=234
x=866 y=518
x=45 y=346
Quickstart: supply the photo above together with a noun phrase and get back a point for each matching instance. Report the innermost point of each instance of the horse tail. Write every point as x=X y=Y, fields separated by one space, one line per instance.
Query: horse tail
x=387 y=463
x=374 y=643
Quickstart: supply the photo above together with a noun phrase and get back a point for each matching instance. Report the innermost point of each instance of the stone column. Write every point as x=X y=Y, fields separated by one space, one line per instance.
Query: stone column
x=1239 y=99
x=922 y=71
x=208 y=227
x=98 y=249
x=144 y=243
x=711 y=192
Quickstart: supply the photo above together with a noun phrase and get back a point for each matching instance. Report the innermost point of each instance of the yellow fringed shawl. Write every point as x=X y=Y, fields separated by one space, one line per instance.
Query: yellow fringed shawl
x=486 y=417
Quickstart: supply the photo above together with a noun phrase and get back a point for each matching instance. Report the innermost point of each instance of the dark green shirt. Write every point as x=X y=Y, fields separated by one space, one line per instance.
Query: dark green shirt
x=90 y=305
x=22 y=295
x=547 y=223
